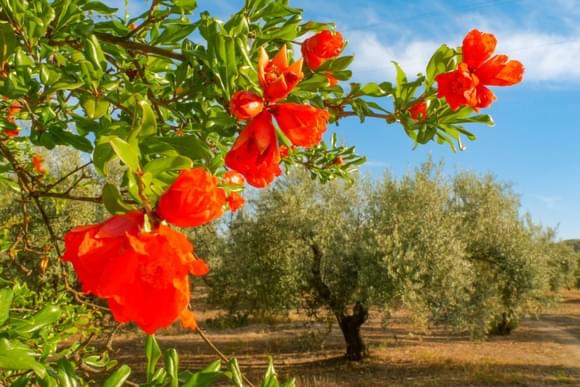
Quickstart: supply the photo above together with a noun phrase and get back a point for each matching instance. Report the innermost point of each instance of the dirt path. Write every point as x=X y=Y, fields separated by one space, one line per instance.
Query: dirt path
x=544 y=352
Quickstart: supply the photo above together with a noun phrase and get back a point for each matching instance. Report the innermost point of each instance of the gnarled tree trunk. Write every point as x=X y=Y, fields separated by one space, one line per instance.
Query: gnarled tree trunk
x=350 y=325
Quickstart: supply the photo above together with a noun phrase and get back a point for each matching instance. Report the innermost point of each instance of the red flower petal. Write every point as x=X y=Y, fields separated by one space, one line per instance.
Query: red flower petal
x=304 y=125
x=477 y=48
x=193 y=199
x=498 y=71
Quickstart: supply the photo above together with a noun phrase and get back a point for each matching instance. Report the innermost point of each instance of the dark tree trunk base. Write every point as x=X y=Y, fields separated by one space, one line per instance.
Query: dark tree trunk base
x=356 y=349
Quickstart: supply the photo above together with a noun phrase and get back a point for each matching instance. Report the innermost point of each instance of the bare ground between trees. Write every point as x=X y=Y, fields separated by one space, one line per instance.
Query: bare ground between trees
x=539 y=353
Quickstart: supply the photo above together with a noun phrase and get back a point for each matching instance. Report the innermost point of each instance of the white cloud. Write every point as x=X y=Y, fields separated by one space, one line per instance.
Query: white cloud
x=373 y=57
x=546 y=57
x=550 y=202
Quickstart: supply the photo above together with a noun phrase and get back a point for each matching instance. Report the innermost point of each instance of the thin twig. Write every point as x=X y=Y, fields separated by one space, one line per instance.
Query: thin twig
x=144 y=48
x=109 y=345
x=51 y=186
x=66 y=196
x=221 y=355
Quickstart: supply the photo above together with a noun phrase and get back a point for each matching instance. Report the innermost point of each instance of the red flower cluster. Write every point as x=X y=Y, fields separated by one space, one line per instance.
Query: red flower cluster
x=256 y=153
x=466 y=86
x=142 y=275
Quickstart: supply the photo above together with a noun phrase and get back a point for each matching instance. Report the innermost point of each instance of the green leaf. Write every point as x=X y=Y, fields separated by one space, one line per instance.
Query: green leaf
x=47 y=316
x=95 y=107
x=99 y=7
x=172 y=366
x=101 y=155
x=401 y=79
x=94 y=52
x=15 y=356
x=118 y=378
x=186 y=5
x=206 y=377
x=67 y=376
x=128 y=153
x=174 y=33
x=153 y=353
x=148 y=123
x=439 y=63
x=188 y=146
x=6 y=295
x=113 y=201
x=8 y=42
x=171 y=163
x=63 y=137
x=270 y=379
x=235 y=373
x=375 y=90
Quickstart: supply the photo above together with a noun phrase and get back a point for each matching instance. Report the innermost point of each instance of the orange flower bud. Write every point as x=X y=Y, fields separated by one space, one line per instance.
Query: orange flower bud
x=11 y=132
x=233 y=178
x=193 y=199
x=284 y=151
x=338 y=160
x=245 y=105
x=418 y=111
x=303 y=124
x=276 y=76
x=321 y=47
x=37 y=163
x=332 y=81
x=235 y=201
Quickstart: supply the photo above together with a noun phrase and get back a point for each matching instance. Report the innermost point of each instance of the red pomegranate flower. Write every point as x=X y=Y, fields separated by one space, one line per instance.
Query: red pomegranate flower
x=245 y=105
x=142 y=275
x=321 y=47
x=418 y=111
x=466 y=86
x=303 y=124
x=255 y=153
x=193 y=199
x=276 y=76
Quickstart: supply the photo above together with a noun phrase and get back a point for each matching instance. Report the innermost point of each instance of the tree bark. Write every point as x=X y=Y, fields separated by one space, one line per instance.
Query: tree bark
x=350 y=325
x=356 y=348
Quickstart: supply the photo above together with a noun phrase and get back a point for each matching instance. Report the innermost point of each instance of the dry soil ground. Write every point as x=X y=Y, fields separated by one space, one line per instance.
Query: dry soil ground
x=540 y=352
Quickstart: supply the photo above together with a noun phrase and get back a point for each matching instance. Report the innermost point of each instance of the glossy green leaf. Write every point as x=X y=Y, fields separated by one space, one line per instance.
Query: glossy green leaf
x=17 y=357
x=99 y=7
x=6 y=296
x=47 y=316
x=172 y=366
x=113 y=200
x=128 y=153
x=8 y=42
x=153 y=353
x=118 y=378
x=171 y=163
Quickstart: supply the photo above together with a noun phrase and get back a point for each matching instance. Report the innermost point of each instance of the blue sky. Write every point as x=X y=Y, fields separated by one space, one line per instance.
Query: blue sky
x=535 y=143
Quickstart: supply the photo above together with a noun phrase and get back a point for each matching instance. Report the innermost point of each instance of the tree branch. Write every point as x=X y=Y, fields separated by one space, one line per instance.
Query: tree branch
x=144 y=48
